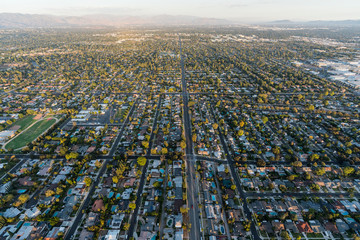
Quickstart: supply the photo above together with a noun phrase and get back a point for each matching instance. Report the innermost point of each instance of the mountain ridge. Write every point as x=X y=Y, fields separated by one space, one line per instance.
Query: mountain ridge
x=19 y=20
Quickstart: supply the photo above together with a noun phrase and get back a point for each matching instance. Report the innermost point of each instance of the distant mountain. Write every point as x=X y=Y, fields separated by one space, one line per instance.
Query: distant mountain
x=336 y=23
x=282 y=22
x=316 y=23
x=17 y=20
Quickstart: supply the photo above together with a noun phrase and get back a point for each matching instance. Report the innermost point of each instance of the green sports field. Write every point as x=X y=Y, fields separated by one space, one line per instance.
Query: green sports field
x=30 y=134
x=24 y=122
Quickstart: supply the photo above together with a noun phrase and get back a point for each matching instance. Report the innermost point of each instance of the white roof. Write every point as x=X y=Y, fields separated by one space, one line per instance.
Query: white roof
x=112 y=234
x=7 y=133
x=11 y=212
x=31 y=213
x=24 y=232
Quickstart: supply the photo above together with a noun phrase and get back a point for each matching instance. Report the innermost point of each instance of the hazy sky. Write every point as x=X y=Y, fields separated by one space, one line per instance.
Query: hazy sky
x=250 y=10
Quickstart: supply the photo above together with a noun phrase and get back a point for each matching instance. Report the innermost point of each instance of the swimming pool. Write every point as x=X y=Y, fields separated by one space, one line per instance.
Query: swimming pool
x=114 y=208
x=21 y=190
x=273 y=213
x=222 y=230
x=111 y=194
x=169 y=223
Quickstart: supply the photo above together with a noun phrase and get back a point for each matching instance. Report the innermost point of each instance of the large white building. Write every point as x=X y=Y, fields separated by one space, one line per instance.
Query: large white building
x=5 y=135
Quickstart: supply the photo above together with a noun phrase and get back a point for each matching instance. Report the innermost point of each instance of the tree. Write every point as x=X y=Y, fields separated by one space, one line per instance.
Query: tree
x=291 y=177
x=184 y=209
x=315 y=187
x=23 y=198
x=314 y=157
x=164 y=151
x=348 y=151
x=348 y=171
x=240 y=133
x=215 y=126
x=59 y=190
x=98 y=164
x=49 y=193
x=115 y=179
x=183 y=144
x=282 y=188
x=72 y=155
x=285 y=235
x=120 y=170
x=145 y=144
x=88 y=181
x=264 y=119
x=297 y=164
x=260 y=163
x=132 y=206
x=54 y=220
x=320 y=171
x=276 y=150
x=2 y=221
x=141 y=161
x=126 y=226
x=311 y=107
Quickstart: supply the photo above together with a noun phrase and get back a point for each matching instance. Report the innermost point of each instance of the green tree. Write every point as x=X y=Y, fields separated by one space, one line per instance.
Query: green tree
x=297 y=164
x=98 y=164
x=88 y=181
x=348 y=151
x=285 y=235
x=183 y=144
x=126 y=226
x=132 y=206
x=141 y=161
x=348 y=171
x=264 y=119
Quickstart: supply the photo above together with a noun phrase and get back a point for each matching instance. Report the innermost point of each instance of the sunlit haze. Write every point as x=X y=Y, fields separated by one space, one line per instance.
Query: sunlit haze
x=245 y=10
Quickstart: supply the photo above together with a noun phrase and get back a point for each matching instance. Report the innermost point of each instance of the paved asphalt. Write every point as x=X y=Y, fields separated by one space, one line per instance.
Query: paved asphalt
x=192 y=194
x=134 y=216
x=79 y=215
x=14 y=169
x=254 y=232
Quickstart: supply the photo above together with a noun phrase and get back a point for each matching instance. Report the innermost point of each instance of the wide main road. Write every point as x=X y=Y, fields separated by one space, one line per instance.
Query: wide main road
x=192 y=194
